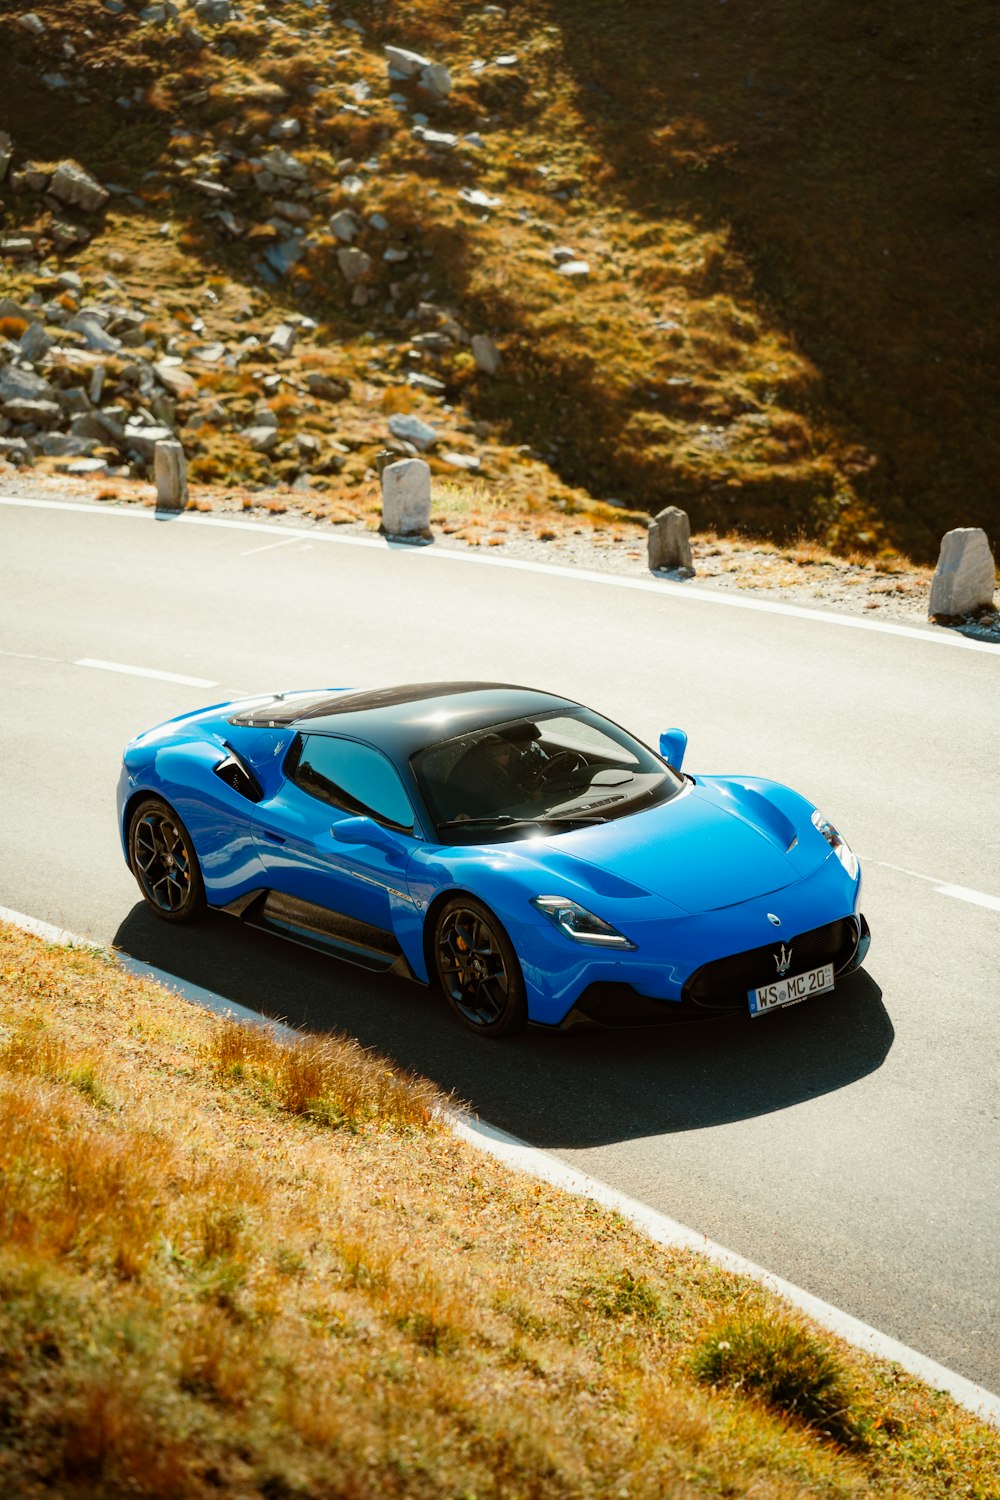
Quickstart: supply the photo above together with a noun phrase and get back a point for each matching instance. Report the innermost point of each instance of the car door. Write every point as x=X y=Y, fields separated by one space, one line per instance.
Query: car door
x=329 y=779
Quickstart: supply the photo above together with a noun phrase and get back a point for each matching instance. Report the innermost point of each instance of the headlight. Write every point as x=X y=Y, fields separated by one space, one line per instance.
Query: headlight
x=576 y=922
x=839 y=845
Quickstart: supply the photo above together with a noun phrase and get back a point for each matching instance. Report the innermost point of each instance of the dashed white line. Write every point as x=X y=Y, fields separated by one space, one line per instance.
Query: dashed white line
x=119 y=666
x=943 y=887
x=270 y=546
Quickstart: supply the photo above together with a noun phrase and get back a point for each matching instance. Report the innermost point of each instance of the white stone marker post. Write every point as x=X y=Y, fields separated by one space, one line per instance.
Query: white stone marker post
x=668 y=543
x=406 y=498
x=171 y=475
x=965 y=575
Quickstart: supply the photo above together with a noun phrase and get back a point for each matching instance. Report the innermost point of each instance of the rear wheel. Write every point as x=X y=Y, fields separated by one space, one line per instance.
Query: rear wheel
x=164 y=862
x=478 y=969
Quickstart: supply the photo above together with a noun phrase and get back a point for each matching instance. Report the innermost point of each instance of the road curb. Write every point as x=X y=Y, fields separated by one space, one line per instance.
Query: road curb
x=533 y=1162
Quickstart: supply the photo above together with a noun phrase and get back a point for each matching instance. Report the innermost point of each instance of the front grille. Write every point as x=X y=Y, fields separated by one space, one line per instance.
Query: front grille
x=723 y=985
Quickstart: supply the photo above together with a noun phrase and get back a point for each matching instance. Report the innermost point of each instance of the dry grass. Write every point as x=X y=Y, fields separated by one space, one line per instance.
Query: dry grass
x=260 y=1266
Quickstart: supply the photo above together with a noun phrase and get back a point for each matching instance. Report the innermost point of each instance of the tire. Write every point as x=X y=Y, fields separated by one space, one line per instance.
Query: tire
x=162 y=856
x=478 y=969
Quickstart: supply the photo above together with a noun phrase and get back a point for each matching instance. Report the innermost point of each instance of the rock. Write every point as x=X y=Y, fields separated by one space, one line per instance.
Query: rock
x=326 y=388
x=295 y=213
x=75 y=187
x=404 y=64
x=345 y=225
x=435 y=80
x=170 y=473
x=282 y=340
x=286 y=129
x=406 y=497
x=478 y=199
x=97 y=378
x=282 y=164
x=426 y=383
x=61 y=445
x=174 y=378
x=378 y=222
x=86 y=468
x=485 y=353
x=16 y=245
x=395 y=255
x=283 y=255
x=965 y=576
x=213 y=12
x=562 y=253
x=669 y=540
x=261 y=439
x=35 y=343
x=24 y=385
x=96 y=337
x=440 y=140
x=144 y=439
x=412 y=430
x=263 y=416
x=211 y=189
x=65 y=234
x=32 y=23
x=11 y=309
x=461 y=460
x=574 y=268
x=353 y=263
x=15 y=451
x=6 y=152
x=40 y=413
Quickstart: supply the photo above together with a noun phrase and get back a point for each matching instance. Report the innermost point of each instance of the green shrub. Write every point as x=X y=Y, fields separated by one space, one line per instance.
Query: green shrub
x=783 y=1364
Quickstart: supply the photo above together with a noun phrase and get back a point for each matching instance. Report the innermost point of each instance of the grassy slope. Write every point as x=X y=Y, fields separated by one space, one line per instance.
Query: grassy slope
x=802 y=194
x=227 y=1267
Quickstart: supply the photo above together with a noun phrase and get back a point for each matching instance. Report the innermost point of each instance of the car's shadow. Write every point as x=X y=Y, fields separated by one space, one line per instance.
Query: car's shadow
x=554 y=1089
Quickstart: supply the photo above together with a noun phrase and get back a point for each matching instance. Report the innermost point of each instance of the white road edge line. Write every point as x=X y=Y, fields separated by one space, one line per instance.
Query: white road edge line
x=665 y=587
x=270 y=546
x=942 y=887
x=535 y=1163
x=118 y=666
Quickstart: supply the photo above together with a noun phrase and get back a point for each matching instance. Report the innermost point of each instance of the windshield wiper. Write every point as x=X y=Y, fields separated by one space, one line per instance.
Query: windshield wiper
x=507 y=820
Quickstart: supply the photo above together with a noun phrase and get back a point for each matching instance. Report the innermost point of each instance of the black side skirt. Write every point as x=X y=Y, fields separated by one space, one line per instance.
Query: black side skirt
x=322 y=930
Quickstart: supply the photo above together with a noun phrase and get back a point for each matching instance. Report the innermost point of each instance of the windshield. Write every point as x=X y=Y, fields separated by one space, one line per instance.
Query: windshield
x=558 y=771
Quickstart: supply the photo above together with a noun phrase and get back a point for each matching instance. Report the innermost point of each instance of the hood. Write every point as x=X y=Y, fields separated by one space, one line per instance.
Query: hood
x=702 y=850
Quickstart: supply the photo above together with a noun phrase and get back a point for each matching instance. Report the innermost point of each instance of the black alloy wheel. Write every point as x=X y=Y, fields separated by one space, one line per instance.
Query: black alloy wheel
x=478 y=969
x=164 y=862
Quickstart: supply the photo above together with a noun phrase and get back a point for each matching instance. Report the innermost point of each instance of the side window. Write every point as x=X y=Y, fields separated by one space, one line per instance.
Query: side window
x=353 y=777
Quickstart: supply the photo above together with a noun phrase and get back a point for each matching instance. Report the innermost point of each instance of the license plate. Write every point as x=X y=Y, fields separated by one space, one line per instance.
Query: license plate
x=791 y=990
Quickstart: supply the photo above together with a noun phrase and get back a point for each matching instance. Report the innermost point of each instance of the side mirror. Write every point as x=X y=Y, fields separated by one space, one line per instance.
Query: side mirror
x=364 y=831
x=673 y=743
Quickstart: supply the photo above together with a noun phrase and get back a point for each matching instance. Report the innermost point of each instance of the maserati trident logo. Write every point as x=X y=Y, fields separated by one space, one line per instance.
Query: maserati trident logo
x=783 y=961
x=774 y=921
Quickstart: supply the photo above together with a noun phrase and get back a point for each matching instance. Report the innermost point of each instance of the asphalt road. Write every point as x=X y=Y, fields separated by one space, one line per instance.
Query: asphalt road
x=851 y=1146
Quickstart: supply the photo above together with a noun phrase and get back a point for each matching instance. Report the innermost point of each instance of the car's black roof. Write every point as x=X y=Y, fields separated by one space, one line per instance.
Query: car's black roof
x=403 y=720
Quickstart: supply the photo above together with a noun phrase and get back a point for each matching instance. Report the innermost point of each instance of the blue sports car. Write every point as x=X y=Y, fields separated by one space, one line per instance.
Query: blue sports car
x=531 y=855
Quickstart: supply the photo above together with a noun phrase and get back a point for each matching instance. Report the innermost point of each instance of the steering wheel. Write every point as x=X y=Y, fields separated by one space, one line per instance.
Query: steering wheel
x=564 y=763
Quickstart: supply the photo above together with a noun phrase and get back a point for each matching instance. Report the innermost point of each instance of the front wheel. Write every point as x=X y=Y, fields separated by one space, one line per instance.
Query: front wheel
x=164 y=862
x=478 y=969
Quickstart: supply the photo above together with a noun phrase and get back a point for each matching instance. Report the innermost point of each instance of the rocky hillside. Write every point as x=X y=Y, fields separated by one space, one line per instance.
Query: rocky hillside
x=593 y=256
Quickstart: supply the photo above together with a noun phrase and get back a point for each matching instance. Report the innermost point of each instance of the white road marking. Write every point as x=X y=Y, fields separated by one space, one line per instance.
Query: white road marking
x=32 y=656
x=270 y=546
x=118 y=666
x=930 y=635
x=942 y=887
x=522 y=1157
